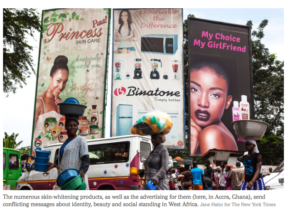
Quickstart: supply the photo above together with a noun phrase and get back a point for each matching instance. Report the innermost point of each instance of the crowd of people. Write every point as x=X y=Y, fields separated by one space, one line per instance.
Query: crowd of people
x=222 y=177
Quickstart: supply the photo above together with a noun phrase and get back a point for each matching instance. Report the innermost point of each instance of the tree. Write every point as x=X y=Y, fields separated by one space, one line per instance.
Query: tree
x=10 y=141
x=25 y=150
x=17 y=58
x=268 y=87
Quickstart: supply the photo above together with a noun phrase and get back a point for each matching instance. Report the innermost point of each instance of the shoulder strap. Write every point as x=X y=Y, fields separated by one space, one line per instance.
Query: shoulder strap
x=43 y=103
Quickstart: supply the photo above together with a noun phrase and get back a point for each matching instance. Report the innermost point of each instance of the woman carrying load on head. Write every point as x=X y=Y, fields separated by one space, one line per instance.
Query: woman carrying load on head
x=252 y=161
x=156 y=165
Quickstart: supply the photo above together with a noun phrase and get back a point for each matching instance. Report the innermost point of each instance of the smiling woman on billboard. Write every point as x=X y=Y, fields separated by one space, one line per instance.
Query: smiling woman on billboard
x=59 y=75
x=209 y=97
x=126 y=31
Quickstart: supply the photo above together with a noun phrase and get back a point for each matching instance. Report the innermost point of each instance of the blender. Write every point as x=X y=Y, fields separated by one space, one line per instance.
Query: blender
x=154 y=74
x=175 y=65
x=119 y=64
x=137 y=69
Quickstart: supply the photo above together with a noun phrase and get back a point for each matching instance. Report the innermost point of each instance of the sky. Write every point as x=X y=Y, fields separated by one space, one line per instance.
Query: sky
x=17 y=109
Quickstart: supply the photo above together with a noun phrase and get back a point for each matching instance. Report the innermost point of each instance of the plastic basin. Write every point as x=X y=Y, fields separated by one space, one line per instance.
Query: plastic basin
x=187 y=161
x=41 y=160
x=150 y=185
x=40 y=167
x=65 y=176
x=71 y=100
x=73 y=184
x=82 y=186
x=71 y=109
x=42 y=153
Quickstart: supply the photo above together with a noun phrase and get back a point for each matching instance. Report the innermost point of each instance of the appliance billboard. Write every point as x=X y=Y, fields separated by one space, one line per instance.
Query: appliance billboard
x=219 y=74
x=148 y=69
x=72 y=63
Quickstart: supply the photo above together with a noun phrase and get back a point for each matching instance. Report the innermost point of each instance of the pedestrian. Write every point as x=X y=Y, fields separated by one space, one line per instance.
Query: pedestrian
x=179 y=177
x=236 y=176
x=173 y=179
x=217 y=175
x=222 y=180
x=270 y=170
x=187 y=181
x=208 y=174
x=156 y=165
x=198 y=177
x=74 y=151
x=228 y=179
x=252 y=162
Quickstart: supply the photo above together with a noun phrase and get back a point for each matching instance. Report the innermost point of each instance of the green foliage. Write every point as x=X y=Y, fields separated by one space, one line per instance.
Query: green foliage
x=106 y=10
x=10 y=141
x=268 y=87
x=17 y=58
x=47 y=136
x=73 y=15
x=25 y=150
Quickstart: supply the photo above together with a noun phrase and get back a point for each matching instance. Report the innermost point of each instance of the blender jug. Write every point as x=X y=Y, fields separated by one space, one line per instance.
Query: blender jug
x=119 y=64
x=175 y=65
x=137 y=68
x=154 y=74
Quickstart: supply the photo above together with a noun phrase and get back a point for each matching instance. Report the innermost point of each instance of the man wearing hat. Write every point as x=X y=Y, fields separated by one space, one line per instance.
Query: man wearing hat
x=74 y=151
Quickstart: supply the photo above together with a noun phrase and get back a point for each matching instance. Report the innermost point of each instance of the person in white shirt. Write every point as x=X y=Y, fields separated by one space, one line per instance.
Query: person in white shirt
x=222 y=180
x=126 y=32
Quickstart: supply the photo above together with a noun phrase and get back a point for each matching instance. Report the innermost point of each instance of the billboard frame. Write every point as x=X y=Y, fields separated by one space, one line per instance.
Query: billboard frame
x=251 y=80
x=184 y=125
x=37 y=75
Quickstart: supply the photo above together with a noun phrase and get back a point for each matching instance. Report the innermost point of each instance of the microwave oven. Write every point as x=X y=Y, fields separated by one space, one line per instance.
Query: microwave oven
x=159 y=43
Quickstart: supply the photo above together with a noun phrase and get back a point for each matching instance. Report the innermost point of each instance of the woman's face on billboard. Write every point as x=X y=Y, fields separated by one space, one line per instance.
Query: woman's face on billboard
x=58 y=81
x=208 y=96
x=124 y=16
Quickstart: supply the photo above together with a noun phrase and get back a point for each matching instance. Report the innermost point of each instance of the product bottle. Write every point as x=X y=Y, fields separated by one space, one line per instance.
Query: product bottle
x=236 y=112
x=94 y=117
x=244 y=106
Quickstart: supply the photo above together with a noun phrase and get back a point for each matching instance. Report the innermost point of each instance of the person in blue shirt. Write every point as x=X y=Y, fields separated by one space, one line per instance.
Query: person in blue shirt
x=197 y=175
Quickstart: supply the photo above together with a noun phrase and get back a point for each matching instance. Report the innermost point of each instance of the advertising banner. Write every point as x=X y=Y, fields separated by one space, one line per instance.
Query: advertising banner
x=220 y=78
x=148 y=69
x=72 y=63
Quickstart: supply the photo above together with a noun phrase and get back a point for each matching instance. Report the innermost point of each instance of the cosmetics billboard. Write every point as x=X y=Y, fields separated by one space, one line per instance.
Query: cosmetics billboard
x=148 y=69
x=220 y=81
x=72 y=63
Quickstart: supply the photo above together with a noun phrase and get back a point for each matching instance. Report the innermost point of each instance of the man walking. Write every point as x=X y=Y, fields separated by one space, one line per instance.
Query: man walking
x=236 y=176
x=197 y=174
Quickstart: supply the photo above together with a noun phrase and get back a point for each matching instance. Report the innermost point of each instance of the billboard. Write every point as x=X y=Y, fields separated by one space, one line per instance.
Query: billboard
x=219 y=74
x=72 y=63
x=148 y=69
